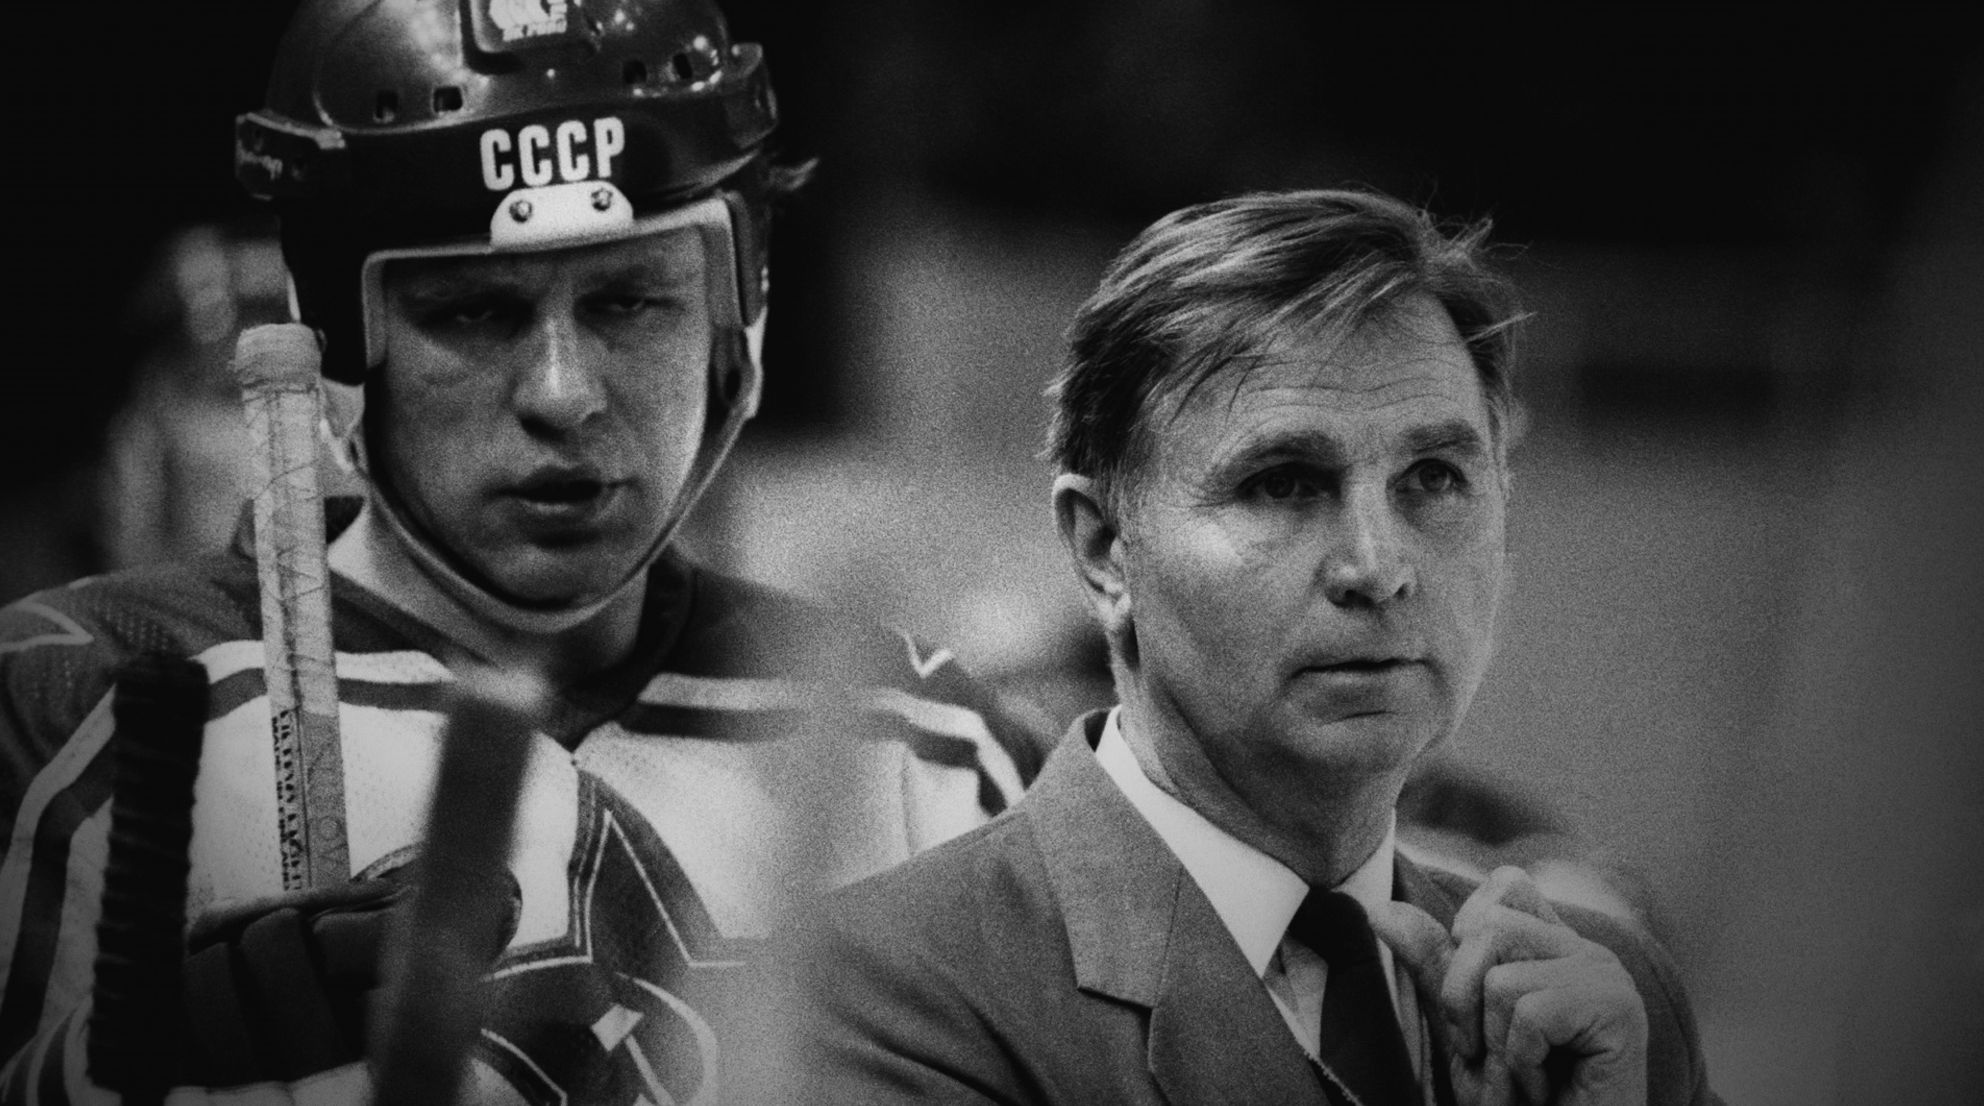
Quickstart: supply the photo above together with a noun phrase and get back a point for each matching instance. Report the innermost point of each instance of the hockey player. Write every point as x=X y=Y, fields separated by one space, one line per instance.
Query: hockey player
x=532 y=237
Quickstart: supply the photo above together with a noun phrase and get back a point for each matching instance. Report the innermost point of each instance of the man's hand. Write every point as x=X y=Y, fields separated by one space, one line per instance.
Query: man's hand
x=1533 y=1012
x=277 y=988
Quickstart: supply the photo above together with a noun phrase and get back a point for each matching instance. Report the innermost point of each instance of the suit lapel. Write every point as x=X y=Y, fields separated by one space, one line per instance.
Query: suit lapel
x=1141 y=932
x=1215 y=1035
x=1411 y=884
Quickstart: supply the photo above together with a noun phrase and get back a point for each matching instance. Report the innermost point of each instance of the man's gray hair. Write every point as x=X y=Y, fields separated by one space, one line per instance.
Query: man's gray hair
x=1209 y=286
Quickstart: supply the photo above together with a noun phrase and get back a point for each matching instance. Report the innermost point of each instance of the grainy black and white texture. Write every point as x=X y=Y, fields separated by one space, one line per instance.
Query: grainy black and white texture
x=1741 y=653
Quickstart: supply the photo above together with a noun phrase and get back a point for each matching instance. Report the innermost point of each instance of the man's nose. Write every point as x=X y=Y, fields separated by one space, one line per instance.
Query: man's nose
x=1368 y=563
x=558 y=388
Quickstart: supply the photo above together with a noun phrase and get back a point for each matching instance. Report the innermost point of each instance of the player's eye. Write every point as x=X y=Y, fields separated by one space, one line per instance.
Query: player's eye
x=635 y=301
x=626 y=304
x=467 y=311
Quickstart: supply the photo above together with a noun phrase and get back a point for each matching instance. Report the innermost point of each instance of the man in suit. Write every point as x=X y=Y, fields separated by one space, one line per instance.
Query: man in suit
x=1283 y=430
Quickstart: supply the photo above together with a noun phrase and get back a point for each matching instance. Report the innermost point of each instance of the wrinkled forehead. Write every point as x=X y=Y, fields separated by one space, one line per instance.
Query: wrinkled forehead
x=1289 y=361
x=1411 y=339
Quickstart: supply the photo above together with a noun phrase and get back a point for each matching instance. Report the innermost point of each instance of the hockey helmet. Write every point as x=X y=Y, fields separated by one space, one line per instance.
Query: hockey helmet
x=510 y=124
x=398 y=128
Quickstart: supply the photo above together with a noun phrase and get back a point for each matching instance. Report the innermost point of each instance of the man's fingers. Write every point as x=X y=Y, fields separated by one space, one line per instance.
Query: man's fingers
x=1519 y=991
x=1507 y=887
x=1581 y=1010
x=1495 y=935
x=1486 y=1081
x=1419 y=943
x=226 y=923
x=1496 y=1087
x=1594 y=975
x=1524 y=895
x=1509 y=979
x=1529 y=1077
x=1504 y=991
x=1454 y=975
x=1426 y=949
x=1608 y=1044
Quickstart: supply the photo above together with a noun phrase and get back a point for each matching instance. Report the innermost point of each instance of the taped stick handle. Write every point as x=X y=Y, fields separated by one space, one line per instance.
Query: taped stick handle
x=159 y=706
x=451 y=930
x=278 y=368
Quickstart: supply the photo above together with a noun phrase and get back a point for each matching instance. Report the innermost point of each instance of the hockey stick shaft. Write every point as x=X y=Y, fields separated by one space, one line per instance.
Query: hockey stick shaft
x=160 y=710
x=277 y=366
x=462 y=890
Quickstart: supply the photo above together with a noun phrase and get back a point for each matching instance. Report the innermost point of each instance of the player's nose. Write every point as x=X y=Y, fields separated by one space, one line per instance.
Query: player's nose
x=557 y=386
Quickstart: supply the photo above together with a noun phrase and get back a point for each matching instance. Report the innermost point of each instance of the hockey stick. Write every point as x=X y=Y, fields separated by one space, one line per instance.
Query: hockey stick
x=277 y=366
x=160 y=709
x=447 y=935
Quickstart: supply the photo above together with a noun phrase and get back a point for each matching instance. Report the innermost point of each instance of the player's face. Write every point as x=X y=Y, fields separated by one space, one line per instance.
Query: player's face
x=540 y=412
x=1313 y=562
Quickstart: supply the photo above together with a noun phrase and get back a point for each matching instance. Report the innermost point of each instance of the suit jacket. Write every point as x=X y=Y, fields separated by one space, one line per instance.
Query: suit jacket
x=1062 y=954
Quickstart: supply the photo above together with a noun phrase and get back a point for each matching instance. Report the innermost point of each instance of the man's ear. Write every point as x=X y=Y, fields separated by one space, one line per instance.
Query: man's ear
x=1090 y=532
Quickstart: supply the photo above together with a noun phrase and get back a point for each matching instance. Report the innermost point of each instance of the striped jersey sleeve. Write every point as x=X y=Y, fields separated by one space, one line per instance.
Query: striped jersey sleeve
x=750 y=661
x=59 y=650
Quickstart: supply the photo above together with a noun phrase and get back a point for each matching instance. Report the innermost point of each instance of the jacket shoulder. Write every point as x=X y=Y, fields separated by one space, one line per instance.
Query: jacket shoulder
x=990 y=877
x=974 y=918
x=932 y=981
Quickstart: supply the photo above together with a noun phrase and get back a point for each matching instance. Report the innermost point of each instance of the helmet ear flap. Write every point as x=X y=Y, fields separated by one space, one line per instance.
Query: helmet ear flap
x=735 y=376
x=726 y=381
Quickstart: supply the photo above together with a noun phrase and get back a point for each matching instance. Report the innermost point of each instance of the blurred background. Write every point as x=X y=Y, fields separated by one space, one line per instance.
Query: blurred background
x=1742 y=668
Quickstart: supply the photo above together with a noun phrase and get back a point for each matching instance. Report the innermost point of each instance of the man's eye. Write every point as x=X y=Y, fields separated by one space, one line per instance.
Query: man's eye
x=1283 y=484
x=465 y=313
x=1433 y=478
x=629 y=304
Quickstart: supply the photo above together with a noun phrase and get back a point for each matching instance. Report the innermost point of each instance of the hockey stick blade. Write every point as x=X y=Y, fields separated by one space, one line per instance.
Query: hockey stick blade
x=462 y=890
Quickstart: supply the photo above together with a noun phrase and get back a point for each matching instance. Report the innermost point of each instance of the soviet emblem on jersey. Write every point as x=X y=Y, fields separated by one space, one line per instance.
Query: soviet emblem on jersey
x=620 y=1009
x=524 y=19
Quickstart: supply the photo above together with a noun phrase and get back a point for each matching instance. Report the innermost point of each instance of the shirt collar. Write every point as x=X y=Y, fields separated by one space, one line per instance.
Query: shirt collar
x=1255 y=895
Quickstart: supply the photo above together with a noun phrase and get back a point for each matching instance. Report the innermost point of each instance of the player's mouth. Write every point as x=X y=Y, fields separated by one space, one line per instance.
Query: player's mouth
x=564 y=496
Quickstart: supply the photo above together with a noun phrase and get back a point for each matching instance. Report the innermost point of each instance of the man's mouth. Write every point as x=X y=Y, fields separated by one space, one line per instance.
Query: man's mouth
x=561 y=490
x=564 y=497
x=1364 y=664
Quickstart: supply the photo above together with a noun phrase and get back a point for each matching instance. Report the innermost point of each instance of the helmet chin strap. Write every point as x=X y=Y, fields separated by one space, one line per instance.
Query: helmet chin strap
x=737 y=390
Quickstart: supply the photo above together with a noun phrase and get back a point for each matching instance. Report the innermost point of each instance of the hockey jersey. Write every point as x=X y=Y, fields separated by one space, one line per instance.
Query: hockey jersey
x=753 y=751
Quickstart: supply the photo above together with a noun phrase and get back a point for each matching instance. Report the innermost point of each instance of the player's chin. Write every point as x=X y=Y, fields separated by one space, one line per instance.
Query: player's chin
x=563 y=577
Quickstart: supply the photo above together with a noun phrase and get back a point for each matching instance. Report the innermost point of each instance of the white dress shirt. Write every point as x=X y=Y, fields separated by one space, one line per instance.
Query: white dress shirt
x=1256 y=896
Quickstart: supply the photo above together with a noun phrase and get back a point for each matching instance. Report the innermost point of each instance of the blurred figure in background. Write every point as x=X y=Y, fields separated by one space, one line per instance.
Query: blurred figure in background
x=174 y=471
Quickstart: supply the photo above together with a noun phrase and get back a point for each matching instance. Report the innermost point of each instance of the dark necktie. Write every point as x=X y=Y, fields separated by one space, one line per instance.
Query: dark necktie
x=1361 y=1043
